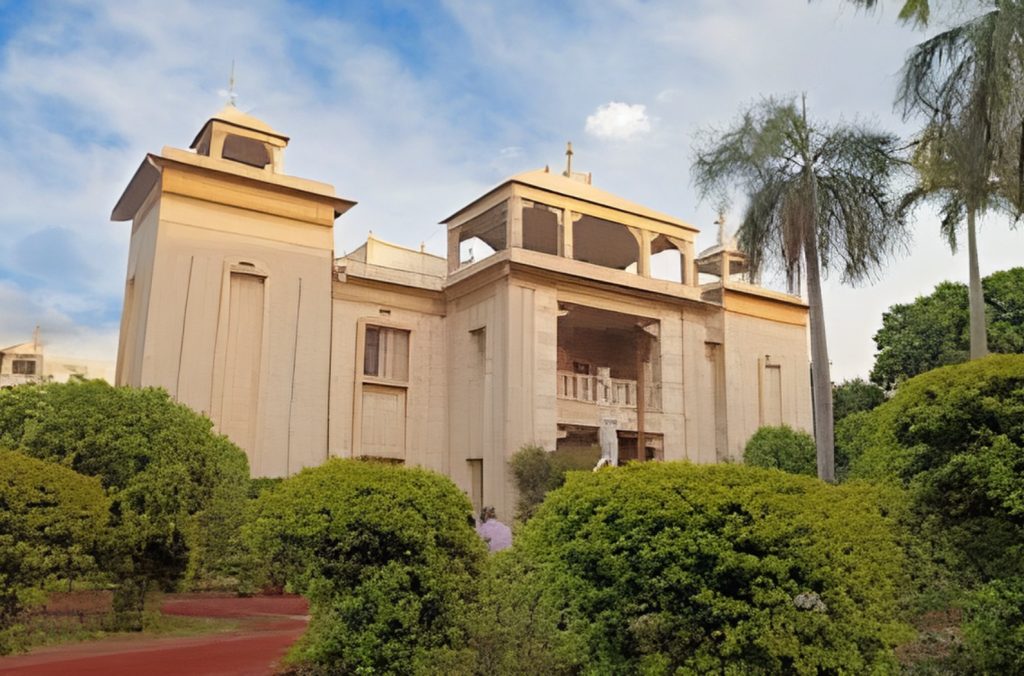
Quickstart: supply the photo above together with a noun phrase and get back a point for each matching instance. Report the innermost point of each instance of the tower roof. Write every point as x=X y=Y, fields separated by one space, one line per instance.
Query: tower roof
x=234 y=116
x=549 y=181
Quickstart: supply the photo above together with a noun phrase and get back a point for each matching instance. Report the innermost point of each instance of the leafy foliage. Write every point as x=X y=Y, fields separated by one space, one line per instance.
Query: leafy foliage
x=535 y=475
x=177 y=489
x=932 y=331
x=52 y=525
x=955 y=438
x=853 y=396
x=916 y=12
x=537 y=471
x=386 y=557
x=783 y=448
x=676 y=568
x=994 y=627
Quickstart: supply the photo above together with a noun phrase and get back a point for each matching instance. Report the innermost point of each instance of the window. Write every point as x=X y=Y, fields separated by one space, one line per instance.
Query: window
x=245 y=150
x=23 y=367
x=386 y=354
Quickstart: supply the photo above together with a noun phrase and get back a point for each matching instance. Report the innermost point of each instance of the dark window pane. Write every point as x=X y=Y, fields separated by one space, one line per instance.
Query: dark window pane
x=371 y=355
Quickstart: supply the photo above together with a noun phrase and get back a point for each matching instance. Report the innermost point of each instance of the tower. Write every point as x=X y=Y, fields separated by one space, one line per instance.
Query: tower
x=228 y=289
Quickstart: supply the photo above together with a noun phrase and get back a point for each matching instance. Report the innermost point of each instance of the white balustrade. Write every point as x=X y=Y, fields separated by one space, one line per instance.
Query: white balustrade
x=605 y=391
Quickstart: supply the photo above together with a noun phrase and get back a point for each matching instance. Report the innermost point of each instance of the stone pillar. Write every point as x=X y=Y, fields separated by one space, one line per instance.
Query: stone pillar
x=515 y=222
x=568 y=218
x=453 y=249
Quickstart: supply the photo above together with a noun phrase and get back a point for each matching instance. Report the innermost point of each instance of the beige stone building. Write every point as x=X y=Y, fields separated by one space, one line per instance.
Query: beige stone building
x=563 y=337
x=25 y=363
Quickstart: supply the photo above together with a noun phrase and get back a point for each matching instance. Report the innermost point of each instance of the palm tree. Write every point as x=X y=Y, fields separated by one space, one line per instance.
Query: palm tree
x=818 y=199
x=913 y=11
x=968 y=84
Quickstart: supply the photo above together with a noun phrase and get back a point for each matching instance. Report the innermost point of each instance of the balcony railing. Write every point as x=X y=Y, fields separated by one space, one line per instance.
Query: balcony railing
x=605 y=391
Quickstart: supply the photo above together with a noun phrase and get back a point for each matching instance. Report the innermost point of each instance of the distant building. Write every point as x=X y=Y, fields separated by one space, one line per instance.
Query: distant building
x=25 y=363
x=22 y=363
x=562 y=337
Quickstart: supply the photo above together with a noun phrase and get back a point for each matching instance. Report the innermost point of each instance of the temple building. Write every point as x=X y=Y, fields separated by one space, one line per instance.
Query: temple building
x=564 y=336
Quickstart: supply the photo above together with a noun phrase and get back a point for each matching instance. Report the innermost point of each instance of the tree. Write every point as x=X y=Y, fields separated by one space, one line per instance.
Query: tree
x=853 y=396
x=165 y=470
x=932 y=331
x=916 y=12
x=966 y=82
x=52 y=525
x=818 y=199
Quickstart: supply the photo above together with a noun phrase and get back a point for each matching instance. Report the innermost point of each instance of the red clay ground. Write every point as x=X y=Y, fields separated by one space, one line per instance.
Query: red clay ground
x=270 y=625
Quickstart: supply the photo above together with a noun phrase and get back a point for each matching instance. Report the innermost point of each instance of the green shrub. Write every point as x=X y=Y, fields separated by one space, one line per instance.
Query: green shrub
x=178 y=489
x=994 y=627
x=52 y=525
x=782 y=448
x=386 y=557
x=677 y=568
x=954 y=437
x=535 y=474
x=854 y=396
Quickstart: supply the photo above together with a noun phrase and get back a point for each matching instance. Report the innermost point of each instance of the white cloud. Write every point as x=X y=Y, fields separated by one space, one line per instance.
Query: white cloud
x=618 y=121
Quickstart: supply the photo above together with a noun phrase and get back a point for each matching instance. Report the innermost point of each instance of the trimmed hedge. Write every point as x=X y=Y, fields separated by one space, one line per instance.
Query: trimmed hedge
x=678 y=568
x=178 y=489
x=783 y=448
x=385 y=555
x=52 y=526
x=954 y=437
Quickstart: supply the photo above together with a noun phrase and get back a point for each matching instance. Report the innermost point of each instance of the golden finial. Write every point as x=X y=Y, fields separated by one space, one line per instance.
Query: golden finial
x=232 y=96
x=721 y=226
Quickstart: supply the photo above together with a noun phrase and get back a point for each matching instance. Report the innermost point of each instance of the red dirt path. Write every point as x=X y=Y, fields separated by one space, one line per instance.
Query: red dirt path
x=270 y=625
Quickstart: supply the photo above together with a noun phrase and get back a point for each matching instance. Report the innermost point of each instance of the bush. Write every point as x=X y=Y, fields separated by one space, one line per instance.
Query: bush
x=994 y=627
x=782 y=448
x=535 y=474
x=386 y=557
x=677 y=568
x=854 y=396
x=954 y=437
x=178 y=490
x=52 y=525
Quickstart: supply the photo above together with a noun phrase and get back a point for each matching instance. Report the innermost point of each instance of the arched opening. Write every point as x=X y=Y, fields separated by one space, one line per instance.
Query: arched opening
x=667 y=260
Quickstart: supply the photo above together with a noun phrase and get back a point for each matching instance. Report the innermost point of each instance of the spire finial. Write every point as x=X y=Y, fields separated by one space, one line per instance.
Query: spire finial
x=721 y=226
x=568 y=159
x=35 y=339
x=232 y=96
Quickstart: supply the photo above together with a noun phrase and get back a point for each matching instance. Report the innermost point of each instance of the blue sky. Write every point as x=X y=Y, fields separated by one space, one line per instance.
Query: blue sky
x=413 y=109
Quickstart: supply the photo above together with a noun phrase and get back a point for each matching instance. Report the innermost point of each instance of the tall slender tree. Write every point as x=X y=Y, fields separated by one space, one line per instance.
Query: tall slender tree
x=917 y=12
x=967 y=82
x=818 y=199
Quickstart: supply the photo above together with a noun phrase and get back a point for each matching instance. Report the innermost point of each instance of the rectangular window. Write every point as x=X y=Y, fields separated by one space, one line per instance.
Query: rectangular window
x=386 y=354
x=23 y=367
